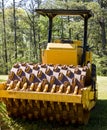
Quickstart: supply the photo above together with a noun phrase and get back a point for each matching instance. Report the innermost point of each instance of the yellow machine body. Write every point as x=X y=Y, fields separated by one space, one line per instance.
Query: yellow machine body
x=68 y=53
x=58 y=89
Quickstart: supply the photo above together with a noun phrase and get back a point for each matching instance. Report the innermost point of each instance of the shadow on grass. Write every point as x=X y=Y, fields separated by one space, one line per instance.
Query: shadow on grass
x=98 y=121
x=98 y=118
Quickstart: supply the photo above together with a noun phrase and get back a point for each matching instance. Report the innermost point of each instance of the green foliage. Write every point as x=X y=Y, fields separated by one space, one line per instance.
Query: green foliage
x=101 y=64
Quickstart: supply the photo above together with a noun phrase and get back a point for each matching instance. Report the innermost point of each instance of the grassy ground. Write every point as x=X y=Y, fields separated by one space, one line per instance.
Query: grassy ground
x=98 y=117
x=3 y=78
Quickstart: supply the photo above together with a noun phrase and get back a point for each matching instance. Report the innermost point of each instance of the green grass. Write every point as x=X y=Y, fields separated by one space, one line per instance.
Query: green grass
x=3 y=78
x=102 y=87
x=98 y=117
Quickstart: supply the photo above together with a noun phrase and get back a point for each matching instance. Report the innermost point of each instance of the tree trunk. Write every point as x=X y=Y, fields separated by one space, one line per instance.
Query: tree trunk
x=103 y=33
x=34 y=37
x=4 y=39
x=62 y=30
x=14 y=18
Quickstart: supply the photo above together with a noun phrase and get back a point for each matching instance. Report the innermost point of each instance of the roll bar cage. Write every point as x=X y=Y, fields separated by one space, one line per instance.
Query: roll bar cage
x=51 y=13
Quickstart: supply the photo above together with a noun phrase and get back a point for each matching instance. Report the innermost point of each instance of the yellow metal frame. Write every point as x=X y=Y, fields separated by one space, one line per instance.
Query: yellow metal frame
x=87 y=98
x=55 y=97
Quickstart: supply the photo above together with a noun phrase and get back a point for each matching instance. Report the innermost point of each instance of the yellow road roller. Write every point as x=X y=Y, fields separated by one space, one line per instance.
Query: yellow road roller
x=62 y=88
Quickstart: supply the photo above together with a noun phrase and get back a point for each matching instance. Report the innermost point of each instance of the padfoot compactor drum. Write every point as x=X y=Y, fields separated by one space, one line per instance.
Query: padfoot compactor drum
x=62 y=88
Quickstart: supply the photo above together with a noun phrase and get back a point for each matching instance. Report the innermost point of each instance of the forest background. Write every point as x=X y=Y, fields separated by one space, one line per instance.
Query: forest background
x=23 y=31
